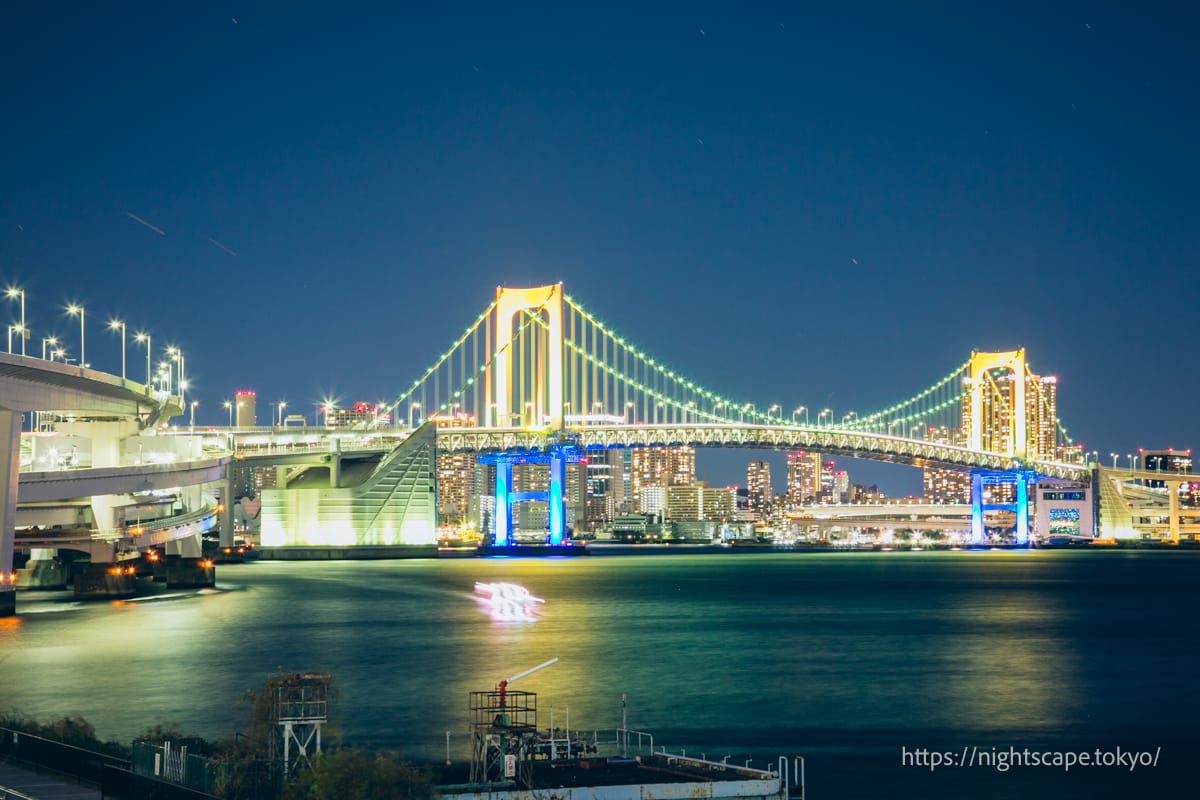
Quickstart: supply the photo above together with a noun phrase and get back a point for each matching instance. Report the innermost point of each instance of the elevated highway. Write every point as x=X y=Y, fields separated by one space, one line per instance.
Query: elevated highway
x=29 y=385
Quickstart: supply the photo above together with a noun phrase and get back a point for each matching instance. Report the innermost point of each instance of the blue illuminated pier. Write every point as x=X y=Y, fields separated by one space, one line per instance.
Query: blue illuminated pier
x=557 y=456
x=1020 y=479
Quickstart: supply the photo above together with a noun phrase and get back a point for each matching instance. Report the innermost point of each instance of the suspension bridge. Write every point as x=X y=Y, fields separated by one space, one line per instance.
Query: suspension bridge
x=537 y=378
x=536 y=366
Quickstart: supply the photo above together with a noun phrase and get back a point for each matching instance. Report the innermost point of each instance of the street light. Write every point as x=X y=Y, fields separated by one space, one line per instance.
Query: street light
x=282 y=406
x=629 y=411
x=14 y=293
x=229 y=407
x=849 y=415
x=823 y=412
x=1114 y=458
x=144 y=338
x=48 y=340
x=177 y=355
x=192 y=413
x=74 y=309
x=417 y=407
x=797 y=411
x=59 y=353
x=17 y=329
x=1130 y=457
x=115 y=325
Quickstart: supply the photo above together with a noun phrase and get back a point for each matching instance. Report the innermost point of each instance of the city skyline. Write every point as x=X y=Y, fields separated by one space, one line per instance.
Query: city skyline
x=713 y=185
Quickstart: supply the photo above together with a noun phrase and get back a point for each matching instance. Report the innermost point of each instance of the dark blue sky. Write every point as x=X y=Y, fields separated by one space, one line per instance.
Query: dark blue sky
x=704 y=179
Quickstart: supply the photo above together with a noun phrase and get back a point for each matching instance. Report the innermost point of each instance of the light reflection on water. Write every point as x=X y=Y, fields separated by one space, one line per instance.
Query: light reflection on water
x=764 y=652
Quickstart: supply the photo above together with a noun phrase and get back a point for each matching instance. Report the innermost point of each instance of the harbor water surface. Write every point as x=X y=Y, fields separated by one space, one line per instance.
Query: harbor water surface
x=850 y=659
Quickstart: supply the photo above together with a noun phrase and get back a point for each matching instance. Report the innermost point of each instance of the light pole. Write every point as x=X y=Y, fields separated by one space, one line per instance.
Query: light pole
x=176 y=354
x=825 y=412
x=48 y=340
x=229 y=407
x=14 y=293
x=417 y=407
x=11 y=330
x=144 y=338
x=282 y=406
x=797 y=411
x=58 y=353
x=849 y=416
x=192 y=413
x=117 y=325
x=74 y=309
x=774 y=409
x=1114 y=458
x=1130 y=457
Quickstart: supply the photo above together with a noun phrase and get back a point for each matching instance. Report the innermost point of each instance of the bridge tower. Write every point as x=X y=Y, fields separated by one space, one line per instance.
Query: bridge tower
x=980 y=365
x=546 y=401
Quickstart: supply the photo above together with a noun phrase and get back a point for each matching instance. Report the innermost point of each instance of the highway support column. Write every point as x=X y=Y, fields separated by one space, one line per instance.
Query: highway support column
x=10 y=465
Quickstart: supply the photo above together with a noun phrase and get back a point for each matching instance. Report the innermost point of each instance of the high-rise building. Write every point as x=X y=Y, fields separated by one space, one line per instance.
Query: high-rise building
x=661 y=467
x=246 y=409
x=803 y=483
x=841 y=486
x=456 y=476
x=999 y=407
x=758 y=486
x=941 y=485
x=605 y=494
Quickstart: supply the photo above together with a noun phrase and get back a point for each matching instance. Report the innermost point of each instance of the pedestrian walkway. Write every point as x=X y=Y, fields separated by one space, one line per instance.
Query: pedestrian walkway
x=40 y=786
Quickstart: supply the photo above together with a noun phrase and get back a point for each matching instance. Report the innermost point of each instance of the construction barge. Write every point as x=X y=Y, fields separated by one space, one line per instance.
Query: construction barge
x=513 y=759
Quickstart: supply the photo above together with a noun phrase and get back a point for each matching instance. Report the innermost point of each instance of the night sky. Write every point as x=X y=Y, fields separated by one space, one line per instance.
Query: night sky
x=829 y=206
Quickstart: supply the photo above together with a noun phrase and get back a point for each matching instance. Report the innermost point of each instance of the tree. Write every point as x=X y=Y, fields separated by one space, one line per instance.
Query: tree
x=352 y=773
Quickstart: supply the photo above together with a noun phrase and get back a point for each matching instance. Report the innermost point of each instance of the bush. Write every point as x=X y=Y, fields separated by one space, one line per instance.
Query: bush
x=352 y=773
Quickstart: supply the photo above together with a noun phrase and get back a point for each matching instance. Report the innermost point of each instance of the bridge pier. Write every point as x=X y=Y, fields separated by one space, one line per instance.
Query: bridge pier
x=1020 y=507
x=225 y=537
x=44 y=570
x=105 y=581
x=10 y=453
x=1173 y=508
x=190 y=573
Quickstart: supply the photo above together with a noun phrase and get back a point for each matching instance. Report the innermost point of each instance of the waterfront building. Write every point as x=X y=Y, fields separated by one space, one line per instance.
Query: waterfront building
x=653 y=500
x=246 y=405
x=1064 y=508
x=700 y=502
